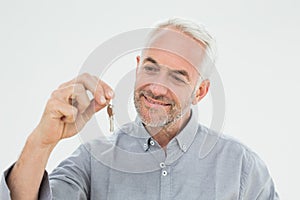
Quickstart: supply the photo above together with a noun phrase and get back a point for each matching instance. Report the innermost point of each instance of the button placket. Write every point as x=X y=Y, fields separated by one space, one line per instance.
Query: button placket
x=165 y=186
x=162 y=165
x=164 y=173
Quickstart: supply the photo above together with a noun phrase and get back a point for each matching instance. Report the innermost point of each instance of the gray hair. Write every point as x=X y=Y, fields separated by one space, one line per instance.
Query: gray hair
x=197 y=32
x=194 y=30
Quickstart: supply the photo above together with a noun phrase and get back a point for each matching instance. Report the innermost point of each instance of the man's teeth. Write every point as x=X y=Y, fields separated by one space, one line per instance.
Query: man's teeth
x=155 y=102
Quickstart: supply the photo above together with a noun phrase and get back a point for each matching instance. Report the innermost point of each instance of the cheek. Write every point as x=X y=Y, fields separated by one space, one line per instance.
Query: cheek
x=140 y=83
x=138 y=87
x=183 y=98
x=161 y=80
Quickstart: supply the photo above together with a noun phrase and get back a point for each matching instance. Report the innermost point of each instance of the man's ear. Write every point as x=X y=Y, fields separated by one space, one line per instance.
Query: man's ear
x=201 y=91
x=138 y=59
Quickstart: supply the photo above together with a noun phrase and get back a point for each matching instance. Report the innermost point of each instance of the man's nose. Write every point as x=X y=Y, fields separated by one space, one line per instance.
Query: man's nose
x=158 y=89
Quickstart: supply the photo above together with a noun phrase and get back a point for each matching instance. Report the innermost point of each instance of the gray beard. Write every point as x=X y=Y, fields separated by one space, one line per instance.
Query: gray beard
x=165 y=120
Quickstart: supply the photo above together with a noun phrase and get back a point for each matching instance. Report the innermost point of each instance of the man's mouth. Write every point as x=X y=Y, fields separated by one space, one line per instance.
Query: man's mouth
x=153 y=102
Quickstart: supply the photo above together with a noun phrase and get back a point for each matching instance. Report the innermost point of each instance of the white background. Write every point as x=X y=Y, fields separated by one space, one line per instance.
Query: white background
x=44 y=43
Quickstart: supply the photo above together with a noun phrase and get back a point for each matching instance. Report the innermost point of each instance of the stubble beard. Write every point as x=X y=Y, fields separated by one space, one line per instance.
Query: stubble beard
x=158 y=118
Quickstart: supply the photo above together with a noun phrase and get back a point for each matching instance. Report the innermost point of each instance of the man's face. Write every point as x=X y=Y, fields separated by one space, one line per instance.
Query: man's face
x=165 y=81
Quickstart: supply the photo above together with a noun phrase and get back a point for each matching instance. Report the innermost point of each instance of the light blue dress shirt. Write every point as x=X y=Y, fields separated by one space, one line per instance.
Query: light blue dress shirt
x=198 y=164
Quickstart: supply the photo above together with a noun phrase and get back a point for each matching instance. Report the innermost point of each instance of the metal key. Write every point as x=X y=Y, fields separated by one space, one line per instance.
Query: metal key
x=110 y=113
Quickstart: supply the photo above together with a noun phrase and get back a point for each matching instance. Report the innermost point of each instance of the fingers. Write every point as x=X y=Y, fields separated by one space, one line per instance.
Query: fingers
x=60 y=110
x=70 y=107
x=74 y=92
x=92 y=109
x=101 y=91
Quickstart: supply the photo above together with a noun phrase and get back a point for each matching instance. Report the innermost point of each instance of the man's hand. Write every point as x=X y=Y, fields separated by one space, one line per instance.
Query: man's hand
x=66 y=112
x=69 y=108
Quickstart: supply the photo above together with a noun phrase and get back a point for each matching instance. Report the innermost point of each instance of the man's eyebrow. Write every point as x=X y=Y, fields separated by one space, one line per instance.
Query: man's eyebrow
x=149 y=59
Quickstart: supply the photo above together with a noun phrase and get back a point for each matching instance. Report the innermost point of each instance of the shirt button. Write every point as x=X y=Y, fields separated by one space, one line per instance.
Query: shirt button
x=164 y=173
x=152 y=143
x=145 y=146
x=162 y=165
x=184 y=147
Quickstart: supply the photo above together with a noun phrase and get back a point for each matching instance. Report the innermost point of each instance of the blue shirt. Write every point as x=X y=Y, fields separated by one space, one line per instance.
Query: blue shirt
x=198 y=163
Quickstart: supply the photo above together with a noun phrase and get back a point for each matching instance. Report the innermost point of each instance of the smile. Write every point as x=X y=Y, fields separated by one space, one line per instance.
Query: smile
x=152 y=102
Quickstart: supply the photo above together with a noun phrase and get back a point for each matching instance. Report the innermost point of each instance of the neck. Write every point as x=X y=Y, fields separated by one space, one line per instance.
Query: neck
x=163 y=135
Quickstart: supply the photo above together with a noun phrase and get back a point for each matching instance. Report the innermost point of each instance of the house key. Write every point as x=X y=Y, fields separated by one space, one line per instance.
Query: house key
x=110 y=113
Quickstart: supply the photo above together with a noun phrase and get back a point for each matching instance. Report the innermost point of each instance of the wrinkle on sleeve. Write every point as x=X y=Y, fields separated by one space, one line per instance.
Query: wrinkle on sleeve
x=71 y=179
x=256 y=182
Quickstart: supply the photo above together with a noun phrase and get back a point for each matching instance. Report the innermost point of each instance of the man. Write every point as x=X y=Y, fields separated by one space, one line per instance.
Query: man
x=155 y=157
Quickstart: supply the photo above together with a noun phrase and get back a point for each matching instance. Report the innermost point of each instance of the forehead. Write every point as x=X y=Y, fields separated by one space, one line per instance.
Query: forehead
x=175 y=49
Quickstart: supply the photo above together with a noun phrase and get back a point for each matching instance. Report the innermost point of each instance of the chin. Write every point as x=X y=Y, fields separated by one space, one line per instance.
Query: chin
x=157 y=121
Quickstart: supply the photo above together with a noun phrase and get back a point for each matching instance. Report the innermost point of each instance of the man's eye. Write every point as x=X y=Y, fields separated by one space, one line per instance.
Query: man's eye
x=150 y=69
x=179 y=79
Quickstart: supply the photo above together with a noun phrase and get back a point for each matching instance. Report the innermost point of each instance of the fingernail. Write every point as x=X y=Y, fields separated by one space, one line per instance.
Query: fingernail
x=102 y=100
x=110 y=94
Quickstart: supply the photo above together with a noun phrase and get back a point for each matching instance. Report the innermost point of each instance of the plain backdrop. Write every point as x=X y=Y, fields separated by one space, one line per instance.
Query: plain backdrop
x=44 y=43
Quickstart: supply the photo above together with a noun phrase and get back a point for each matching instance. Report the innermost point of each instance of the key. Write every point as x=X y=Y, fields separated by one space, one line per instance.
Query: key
x=110 y=113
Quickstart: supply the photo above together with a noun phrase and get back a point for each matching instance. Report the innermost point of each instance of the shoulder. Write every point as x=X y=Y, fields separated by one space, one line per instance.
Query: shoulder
x=254 y=175
x=229 y=149
x=225 y=143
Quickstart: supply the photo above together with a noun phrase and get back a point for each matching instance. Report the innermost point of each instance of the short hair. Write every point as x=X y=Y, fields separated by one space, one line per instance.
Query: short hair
x=197 y=32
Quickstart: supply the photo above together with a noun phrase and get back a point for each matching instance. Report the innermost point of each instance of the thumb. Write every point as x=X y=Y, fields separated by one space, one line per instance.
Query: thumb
x=93 y=108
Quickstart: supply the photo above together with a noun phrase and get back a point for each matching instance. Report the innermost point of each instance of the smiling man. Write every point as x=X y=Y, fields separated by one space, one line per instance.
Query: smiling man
x=168 y=82
x=157 y=155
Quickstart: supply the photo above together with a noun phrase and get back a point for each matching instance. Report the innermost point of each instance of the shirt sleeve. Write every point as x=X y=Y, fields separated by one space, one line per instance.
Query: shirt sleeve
x=44 y=190
x=256 y=182
x=4 y=190
x=70 y=180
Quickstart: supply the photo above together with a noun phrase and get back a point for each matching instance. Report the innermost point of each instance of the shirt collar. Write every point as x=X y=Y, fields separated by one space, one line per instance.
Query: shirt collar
x=184 y=138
